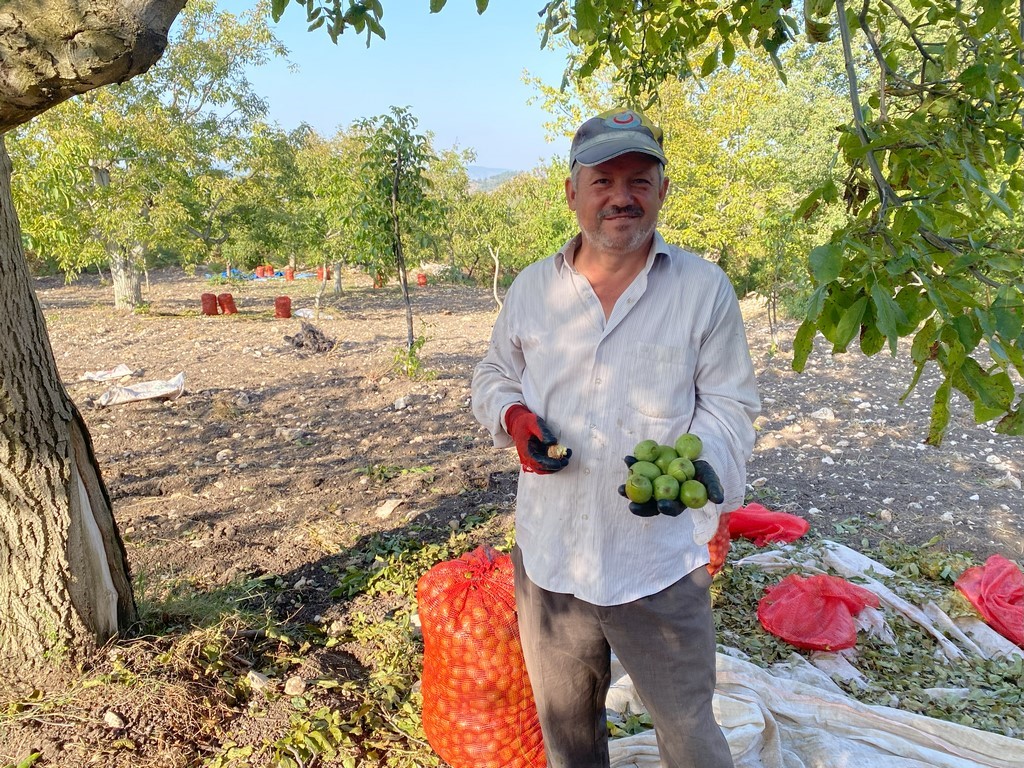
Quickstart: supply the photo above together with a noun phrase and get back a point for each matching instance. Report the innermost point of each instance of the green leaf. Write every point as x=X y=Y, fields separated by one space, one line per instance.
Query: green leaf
x=826 y=262
x=921 y=349
x=586 y=16
x=816 y=302
x=871 y=340
x=918 y=370
x=849 y=324
x=437 y=5
x=940 y=413
x=277 y=8
x=728 y=51
x=997 y=201
x=710 y=63
x=803 y=344
x=1008 y=311
x=889 y=314
x=990 y=16
x=995 y=391
x=1013 y=422
x=481 y=6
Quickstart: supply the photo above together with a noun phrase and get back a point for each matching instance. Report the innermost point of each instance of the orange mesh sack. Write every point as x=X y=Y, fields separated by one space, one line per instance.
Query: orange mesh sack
x=478 y=708
x=718 y=547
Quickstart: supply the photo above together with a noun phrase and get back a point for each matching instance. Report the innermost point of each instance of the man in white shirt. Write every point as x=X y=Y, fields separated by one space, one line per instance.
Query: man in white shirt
x=615 y=339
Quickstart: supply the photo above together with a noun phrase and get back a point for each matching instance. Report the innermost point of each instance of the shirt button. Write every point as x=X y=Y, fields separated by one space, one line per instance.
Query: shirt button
x=597 y=381
x=586 y=471
x=586 y=517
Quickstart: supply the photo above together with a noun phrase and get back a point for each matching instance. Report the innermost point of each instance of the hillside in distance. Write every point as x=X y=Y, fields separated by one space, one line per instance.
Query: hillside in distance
x=485 y=179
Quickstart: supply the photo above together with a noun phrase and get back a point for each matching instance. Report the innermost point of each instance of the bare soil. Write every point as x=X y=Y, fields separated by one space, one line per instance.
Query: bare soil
x=276 y=458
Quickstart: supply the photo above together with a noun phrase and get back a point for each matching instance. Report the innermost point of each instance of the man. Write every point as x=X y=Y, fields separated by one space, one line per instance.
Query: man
x=618 y=338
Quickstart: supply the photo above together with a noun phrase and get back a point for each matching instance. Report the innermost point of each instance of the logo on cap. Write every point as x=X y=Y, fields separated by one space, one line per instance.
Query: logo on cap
x=614 y=133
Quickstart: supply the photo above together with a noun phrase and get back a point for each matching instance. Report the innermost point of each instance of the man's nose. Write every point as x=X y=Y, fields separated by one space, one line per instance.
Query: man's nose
x=621 y=195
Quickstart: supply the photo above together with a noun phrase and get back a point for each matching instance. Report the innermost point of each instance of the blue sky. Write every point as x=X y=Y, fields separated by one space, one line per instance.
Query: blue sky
x=460 y=73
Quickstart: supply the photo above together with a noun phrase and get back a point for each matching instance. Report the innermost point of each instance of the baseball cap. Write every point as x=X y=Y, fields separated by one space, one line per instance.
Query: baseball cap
x=615 y=133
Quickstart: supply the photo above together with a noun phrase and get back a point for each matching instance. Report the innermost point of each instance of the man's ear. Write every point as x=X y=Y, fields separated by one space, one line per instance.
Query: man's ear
x=570 y=194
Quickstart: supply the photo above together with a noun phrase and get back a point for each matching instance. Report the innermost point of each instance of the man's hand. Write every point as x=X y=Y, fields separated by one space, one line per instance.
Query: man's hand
x=708 y=476
x=533 y=438
x=672 y=507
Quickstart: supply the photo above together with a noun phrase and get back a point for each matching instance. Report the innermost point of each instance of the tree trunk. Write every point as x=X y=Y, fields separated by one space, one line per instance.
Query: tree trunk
x=124 y=273
x=497 y=274
x=337 y=278
x=396 y=246
x=64 y=580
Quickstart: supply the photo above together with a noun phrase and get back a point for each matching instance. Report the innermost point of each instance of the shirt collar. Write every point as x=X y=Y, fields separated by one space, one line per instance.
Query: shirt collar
x=565 y=257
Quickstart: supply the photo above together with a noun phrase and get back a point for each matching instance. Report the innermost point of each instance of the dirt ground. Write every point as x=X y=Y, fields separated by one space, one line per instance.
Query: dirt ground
x=274 y=452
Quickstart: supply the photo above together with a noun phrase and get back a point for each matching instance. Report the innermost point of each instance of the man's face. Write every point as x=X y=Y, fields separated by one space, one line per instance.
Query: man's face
x=617 y=202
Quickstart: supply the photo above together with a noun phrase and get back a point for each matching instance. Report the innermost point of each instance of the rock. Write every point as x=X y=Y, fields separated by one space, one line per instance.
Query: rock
x=257 y=680
x=225 y=454
x=288 y=433
x=401 y=404
x=294 y=686
x=1009 y=481
x=337 y=628
x=388 y=507
x=113 y=720
x=824 y=414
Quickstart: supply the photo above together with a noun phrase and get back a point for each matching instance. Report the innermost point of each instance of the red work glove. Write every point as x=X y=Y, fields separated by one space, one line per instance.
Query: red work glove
x=533 y=438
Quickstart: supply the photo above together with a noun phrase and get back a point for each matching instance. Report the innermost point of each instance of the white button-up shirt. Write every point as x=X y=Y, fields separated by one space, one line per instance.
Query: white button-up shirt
x=672 y=357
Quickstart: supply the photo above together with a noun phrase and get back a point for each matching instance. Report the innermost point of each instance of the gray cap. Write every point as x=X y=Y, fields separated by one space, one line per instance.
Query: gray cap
x=613 y=133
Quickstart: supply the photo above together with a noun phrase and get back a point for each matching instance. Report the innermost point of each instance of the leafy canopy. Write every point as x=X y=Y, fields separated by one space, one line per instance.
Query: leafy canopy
x=932 y=248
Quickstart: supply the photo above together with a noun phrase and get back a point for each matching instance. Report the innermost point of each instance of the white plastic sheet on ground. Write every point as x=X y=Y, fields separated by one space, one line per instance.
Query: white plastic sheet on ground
x=795 y=716
x=118 y=372
x=169 y=389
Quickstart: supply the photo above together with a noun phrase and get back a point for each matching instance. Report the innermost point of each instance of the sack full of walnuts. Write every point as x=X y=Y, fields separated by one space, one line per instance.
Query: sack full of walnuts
x=478 y=708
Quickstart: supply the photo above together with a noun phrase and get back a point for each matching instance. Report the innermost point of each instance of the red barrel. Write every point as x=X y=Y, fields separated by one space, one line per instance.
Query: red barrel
x=421 y=279
x=269 y=271
x=282 y=307
x=209 y=304
x=259 y=270
x=289 y=273
x=227 y=303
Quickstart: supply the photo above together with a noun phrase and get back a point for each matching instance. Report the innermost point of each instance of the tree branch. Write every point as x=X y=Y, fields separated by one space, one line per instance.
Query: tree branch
x=55 y=49
x=886 y=193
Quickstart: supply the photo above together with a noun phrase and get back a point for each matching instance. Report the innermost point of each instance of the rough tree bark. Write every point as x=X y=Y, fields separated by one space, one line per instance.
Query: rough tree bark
x=51 y=50
x=64 y=581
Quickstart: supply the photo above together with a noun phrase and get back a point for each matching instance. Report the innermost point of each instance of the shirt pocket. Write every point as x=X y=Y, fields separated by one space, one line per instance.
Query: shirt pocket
x=661 y=379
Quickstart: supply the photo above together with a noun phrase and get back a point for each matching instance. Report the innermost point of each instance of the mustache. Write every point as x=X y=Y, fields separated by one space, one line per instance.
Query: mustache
x=615 y=210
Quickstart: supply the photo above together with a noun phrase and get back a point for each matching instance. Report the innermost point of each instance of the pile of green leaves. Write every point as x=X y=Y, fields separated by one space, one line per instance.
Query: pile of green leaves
x=900 y=675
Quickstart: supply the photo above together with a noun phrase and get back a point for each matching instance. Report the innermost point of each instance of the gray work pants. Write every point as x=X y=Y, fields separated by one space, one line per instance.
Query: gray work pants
x=665 y=642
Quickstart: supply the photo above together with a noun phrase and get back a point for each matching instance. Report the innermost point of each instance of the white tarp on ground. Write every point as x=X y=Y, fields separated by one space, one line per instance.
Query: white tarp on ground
x=169 y=389
x=795 y=716
x=118 y=372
